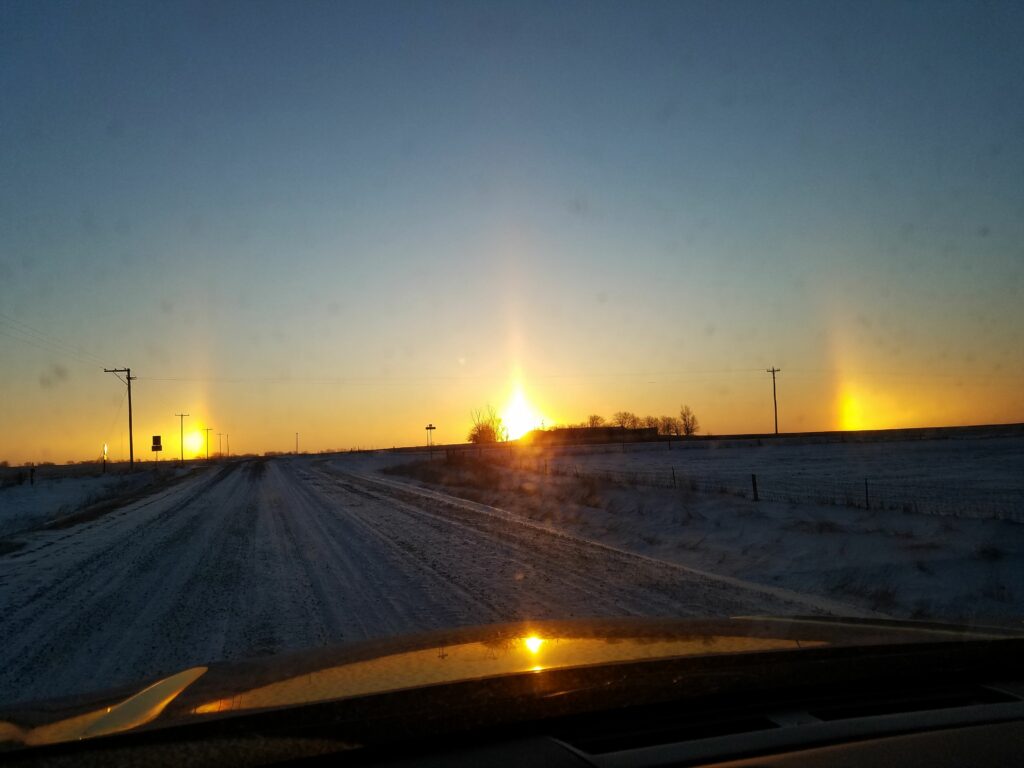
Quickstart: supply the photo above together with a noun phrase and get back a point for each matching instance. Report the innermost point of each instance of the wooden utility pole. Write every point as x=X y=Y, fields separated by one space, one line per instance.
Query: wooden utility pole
x=181 y=435
x=773 y=370
x=208 y=430
x=127 y=380
x=220 y=445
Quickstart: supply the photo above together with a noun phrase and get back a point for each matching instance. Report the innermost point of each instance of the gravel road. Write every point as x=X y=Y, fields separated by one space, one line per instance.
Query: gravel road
x=262 y=556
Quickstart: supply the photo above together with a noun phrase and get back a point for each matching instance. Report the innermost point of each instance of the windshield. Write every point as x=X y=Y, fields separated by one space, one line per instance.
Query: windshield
x=329 y=323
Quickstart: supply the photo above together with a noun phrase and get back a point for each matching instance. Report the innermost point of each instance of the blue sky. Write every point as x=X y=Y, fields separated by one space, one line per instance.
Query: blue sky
x=375 y=214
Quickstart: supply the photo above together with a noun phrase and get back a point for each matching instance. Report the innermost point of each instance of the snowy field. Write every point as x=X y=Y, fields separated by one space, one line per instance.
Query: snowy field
x=915 y=559
x=966 y=477
x=964 y=462
x=57 y=492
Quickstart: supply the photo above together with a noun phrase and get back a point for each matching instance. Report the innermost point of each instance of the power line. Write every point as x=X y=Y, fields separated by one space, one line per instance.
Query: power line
x=699 y=373
x=419 y=378
x=117 y=413
x=32 y=336
x=46 y=347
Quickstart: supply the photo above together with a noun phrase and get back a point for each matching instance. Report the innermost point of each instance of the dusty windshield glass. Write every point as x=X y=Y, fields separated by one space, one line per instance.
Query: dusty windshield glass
x=335 y=322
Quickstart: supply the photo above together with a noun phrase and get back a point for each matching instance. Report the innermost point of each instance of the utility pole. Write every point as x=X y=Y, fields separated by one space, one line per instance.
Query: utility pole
x=181 y=435
x=227 y=439
x=296 y=443
x=775 y=402
x=127 y=380
x=220 y=445
x=208 y=430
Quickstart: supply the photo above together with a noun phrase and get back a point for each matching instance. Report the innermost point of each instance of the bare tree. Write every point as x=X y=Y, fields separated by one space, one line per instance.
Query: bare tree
x=487 y=427
x=670 y=425
x=689 y=419
x=595 y=420
x=650 y=422
x=626 y=419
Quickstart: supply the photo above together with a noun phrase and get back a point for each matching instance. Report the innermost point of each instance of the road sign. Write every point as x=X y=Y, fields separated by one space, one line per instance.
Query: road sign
x=156 y=443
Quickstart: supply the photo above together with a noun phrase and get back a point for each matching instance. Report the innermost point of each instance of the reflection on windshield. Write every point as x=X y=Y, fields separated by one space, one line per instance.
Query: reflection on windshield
x=473 y=661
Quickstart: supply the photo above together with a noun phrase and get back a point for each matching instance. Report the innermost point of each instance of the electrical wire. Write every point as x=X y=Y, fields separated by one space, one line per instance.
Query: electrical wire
x=33 y=337
x=113 y=421
x=858 y=375
x=420 y=378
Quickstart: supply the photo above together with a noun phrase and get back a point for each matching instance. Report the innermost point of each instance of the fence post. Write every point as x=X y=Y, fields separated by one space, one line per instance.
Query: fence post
x=673 y=477
x=753 y=482
x=867 y=499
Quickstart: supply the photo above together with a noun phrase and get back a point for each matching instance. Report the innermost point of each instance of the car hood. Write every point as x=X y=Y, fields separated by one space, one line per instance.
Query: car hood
x=439 y=659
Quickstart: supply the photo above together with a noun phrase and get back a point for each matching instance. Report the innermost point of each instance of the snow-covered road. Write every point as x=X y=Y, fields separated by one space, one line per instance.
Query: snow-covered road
x=262 y=556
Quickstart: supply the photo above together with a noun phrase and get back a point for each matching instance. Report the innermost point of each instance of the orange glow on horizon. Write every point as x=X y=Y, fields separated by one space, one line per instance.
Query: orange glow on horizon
x=860 y=408
x=851 y=412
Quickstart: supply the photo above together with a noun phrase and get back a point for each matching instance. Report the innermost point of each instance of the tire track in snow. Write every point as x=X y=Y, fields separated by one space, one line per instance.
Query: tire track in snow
x=570 y=577
x=388 y=591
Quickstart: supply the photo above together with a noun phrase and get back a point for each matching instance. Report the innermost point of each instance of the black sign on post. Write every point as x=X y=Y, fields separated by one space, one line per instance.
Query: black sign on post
x=430 y=441
x=156 y=443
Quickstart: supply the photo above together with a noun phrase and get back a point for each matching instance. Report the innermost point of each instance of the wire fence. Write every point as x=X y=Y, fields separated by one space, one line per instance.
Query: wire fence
x=863 y=493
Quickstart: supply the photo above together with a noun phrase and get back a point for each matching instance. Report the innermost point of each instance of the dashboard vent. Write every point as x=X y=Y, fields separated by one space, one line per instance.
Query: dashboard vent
x=891 y=703
x=646 y=728
x=675 y=724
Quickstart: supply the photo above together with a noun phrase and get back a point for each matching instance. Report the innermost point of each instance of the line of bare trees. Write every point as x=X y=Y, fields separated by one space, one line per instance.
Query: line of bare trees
x=489 y=428
x=685 y=423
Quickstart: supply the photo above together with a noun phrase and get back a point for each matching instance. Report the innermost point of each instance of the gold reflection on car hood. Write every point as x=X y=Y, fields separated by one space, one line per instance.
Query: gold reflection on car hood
x=144 y=707
x=477 y=660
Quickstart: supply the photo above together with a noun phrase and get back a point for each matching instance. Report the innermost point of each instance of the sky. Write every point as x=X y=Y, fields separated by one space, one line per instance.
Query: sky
x=349 y=220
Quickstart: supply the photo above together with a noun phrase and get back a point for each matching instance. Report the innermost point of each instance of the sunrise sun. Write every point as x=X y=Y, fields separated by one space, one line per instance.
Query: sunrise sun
x=519 y=416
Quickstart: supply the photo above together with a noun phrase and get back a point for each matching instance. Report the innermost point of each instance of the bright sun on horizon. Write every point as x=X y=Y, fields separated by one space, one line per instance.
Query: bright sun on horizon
x=519 y=416
x=194 y=443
